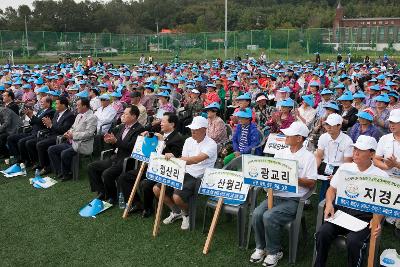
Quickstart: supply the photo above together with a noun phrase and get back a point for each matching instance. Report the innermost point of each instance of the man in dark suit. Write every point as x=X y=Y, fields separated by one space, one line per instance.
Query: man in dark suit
x=16 y=142
x=104 y=173
x=61 y=122
x=8 y=100
x=173 y=144
x=9 y=125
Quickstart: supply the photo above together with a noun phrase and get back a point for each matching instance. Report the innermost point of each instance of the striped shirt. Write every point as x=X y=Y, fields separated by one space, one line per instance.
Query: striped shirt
x=243 y=137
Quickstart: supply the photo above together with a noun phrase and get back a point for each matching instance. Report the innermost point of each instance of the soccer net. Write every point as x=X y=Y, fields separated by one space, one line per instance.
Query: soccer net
x=6 y=57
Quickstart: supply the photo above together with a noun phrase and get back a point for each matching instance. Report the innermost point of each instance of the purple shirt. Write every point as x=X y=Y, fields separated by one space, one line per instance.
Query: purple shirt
x=372 y=131
x=370 y=101
x=384 y=116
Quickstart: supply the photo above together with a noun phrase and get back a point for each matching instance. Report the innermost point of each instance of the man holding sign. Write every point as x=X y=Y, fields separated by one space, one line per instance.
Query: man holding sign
x=173 y=144
x=104 y=173
x=200 y=153
x=364 y=150
x=268 y=223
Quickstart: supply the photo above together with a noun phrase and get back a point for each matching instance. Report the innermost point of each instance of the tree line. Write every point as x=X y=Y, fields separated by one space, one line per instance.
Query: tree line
x=143 y=16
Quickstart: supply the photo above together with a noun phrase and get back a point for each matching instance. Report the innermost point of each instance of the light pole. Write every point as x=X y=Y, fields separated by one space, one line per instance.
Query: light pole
x=226 y=28
x=158 y=39
x=26 y=35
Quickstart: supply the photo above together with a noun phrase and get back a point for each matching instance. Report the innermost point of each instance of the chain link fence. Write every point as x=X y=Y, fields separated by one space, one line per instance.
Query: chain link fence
x=285 y=42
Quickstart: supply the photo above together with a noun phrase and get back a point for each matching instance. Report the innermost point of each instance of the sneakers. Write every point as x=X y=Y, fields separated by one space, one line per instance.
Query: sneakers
x=172 y=217
x=185 y=223
x=257 y=256
x=272 y=260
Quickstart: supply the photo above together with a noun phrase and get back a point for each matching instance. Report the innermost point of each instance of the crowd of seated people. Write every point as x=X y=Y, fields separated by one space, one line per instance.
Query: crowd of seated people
x=51 y=113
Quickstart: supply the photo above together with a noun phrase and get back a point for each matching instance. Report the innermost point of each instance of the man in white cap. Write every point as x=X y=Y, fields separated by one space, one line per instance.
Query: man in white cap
x=334 y=149
x=387 y=156
x=363 y=153
x=267 y=224
x=199 y=152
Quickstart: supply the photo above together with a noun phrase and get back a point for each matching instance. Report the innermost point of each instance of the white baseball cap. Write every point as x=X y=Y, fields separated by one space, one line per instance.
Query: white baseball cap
x=394 y=116
x=198 y=122
x=334 y=119
x=365 y=142
x=195 y=91
x=296 y=128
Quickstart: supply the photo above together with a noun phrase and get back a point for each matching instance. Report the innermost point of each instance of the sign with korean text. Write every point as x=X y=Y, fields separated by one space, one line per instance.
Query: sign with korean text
x=226 y=184
x=378 y=195
x=267 y=172
x=169 y=172
x=144 y=146
x=275 y=142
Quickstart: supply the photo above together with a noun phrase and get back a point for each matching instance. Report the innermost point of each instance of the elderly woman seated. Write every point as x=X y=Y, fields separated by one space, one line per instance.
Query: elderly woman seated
x=282 y=119
x=246 y=136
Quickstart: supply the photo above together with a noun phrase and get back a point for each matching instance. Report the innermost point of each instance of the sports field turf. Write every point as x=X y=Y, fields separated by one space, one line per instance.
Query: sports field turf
x=43 y=228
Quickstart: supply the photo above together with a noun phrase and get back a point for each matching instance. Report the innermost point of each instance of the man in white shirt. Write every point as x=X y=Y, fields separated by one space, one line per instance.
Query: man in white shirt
x=105 y=114
x=334 y=149
x=364 y=150
x=387 y=156
x=199 y=152
x=267 y=224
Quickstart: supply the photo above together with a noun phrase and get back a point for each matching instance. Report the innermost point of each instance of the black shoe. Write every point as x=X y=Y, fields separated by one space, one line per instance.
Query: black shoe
x=147 y=213
x=101 y=196
x=66 y=178
x=135 y=208
x=60 y=176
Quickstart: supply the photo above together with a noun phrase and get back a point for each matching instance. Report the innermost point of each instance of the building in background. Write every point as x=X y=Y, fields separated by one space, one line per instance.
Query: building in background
x=365 y=33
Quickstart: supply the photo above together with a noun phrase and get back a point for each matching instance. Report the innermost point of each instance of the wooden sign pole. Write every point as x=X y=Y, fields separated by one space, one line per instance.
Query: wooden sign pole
x=376 y=220
x=134 y=189
x=270 y=198
x=159 y=211
x=213 y=225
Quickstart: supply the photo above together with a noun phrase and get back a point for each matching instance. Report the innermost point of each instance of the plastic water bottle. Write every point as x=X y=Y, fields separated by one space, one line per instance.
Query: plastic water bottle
x=121 y=201
x=23 y=169
x=37 y=173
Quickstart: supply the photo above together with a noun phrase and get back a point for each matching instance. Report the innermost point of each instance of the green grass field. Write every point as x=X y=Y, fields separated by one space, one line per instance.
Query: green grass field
x=43 y=228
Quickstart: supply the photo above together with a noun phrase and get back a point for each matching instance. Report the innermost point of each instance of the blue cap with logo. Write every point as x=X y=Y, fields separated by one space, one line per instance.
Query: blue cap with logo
x=288 y=102
x=213 y=105
x=308 y=99
x=382 y=98
x=245 y=96
x=347 y=96
x=244 y=113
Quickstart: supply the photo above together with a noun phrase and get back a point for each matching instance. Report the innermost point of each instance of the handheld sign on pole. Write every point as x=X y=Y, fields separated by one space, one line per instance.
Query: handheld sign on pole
x=270 y=173
x=134 y=189
x=226 y=185
x=275 y=142
x=144 y=146
x=141 y=152
x=378 y=195
x=167 y=172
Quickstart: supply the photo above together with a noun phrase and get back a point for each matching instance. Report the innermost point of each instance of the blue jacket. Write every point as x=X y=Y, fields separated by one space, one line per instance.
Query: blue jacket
x=253 y=139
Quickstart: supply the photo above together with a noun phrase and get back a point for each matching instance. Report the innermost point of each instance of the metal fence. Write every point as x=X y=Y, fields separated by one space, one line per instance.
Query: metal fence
x=284 y=41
